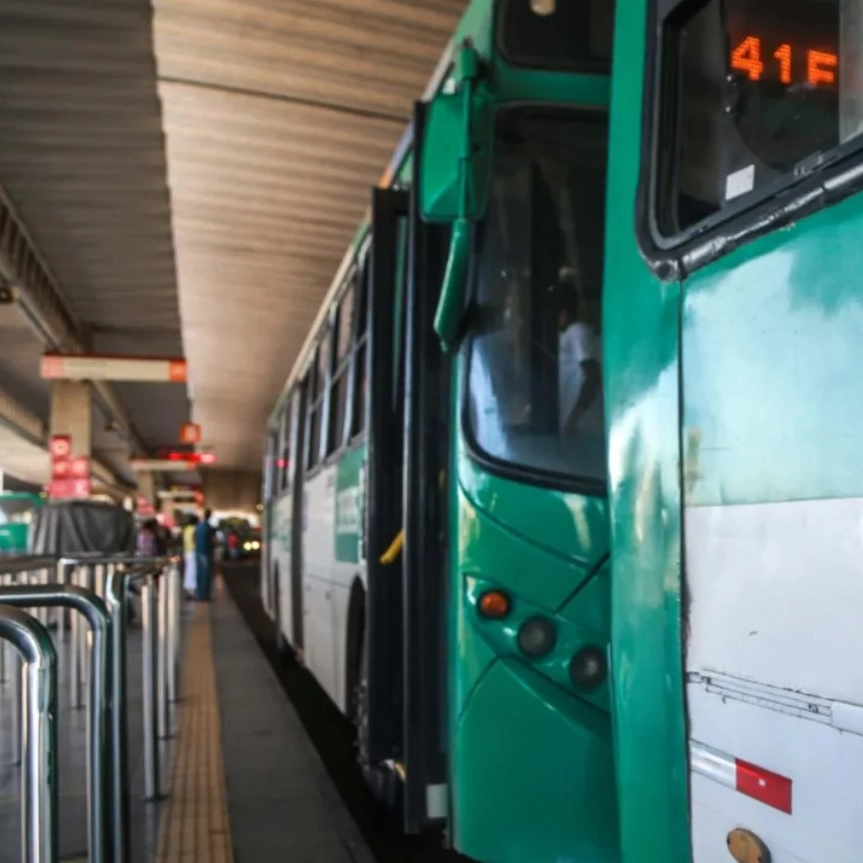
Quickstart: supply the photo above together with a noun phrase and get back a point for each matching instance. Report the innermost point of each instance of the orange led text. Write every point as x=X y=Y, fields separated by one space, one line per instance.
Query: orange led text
x=820 y=65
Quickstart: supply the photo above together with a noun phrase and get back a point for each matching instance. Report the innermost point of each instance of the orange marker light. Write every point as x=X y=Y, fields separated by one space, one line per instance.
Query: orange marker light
x=493 y=604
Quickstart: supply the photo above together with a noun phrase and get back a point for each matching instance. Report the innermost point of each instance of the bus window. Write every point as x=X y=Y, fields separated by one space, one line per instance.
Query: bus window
x=341 y=375
x=572 y=35
x=535 y=385
x=358 y=396
x=317 y=398
x=757 y=95
x=271 y=484
x=346 y=321
x=285 y=454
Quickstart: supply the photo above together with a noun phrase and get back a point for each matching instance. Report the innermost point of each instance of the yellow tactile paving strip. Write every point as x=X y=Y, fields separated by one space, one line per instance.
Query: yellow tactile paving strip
x=194 y=826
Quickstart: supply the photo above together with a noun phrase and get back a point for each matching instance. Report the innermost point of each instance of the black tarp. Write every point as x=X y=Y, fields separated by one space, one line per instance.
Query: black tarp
x=73 y=527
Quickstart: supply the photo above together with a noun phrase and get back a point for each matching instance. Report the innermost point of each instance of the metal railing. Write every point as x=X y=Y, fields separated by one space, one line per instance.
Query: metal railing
x=98 y=707
x=39 y=841
x=97 y=586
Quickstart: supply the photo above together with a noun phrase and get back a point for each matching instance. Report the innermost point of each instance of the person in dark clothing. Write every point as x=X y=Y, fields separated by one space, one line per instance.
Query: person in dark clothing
x=205 y=541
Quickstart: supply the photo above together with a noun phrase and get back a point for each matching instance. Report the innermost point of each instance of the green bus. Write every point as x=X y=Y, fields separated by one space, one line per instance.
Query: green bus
x=436 y=540
x=565 y=493
x=16 y=514
x=732 y=318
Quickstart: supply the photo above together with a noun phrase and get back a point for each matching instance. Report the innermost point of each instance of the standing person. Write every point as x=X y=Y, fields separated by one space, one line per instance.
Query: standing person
x=579 y=373
x=204 y=545
x=148 y=543
x=190 y=579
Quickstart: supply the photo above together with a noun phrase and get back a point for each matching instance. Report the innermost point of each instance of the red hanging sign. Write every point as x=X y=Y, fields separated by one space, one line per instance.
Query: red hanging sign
x=190 y=433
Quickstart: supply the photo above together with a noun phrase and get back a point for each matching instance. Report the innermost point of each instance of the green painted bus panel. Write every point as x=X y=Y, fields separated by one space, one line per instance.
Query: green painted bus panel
x=641 y=352
x=572 y=528
x=349 y=506
x=477 y=24
x=590 y=605
x=539 y=783
x=545 y=553
x=470 y=658
x=759 y=431
x=533 y=85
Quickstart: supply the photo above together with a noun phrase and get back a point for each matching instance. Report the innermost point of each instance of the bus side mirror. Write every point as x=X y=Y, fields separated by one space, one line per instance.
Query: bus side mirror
x=454 y=171
x=453 y=295
x=455 y=164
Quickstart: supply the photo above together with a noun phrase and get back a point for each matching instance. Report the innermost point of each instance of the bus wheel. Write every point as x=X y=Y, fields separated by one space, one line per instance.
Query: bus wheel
x=281 y=642
x=355 y=660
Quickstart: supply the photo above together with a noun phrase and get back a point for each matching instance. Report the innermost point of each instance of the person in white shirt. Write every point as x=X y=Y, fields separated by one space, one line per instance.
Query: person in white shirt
x=579 y=374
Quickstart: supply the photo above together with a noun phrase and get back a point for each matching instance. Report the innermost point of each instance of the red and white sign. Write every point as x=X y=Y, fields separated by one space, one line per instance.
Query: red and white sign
x=190 y=433
x=70 y=475
x=60 y=447
x=59 y=489
x=96 y=367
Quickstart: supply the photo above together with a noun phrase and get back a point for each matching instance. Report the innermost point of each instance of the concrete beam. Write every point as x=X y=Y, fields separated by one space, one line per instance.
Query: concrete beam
x=21 y=421
x=35 y=289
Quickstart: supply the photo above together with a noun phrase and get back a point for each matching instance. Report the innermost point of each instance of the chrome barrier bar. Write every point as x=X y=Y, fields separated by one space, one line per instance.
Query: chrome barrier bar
x=75 y=646
x=4 y=579
x=163 y=655
x=13 y=570
x=39 y=834
x=175 y=602
x=99 y=706
x=149 y=569
x=149 y=624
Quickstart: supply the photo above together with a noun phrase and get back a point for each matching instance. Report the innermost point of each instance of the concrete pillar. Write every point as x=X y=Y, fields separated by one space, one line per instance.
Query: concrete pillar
x=147 y=486
x=72 y=414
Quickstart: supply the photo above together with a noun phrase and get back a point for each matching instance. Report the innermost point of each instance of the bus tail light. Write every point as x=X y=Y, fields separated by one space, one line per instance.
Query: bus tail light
x=588 y=667
x=537 y=637
x=494 y=605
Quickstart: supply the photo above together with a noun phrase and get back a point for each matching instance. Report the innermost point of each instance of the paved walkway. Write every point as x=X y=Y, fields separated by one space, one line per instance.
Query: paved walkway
x=246 y=784
x=195 y=821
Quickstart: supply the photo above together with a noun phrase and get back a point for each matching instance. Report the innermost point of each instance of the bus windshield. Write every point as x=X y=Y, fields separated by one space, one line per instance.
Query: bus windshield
x=15 y=510
x=534 y=396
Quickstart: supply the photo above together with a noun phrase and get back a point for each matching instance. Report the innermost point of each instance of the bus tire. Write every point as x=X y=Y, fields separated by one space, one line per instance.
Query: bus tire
x=355 y=658
x=382 y=781
x=281 y=642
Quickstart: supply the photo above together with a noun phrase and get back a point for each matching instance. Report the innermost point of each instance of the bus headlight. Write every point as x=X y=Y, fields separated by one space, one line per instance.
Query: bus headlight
x=537 y=637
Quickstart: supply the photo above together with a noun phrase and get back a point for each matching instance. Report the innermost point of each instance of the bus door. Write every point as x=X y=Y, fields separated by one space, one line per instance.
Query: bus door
x=383 y=630
x=295 y=467
x=408 y=446
x=425 y=489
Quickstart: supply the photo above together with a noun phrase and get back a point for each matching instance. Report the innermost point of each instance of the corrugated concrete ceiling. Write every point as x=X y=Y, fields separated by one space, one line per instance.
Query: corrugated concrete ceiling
x=279 y=117
x=82 y=159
